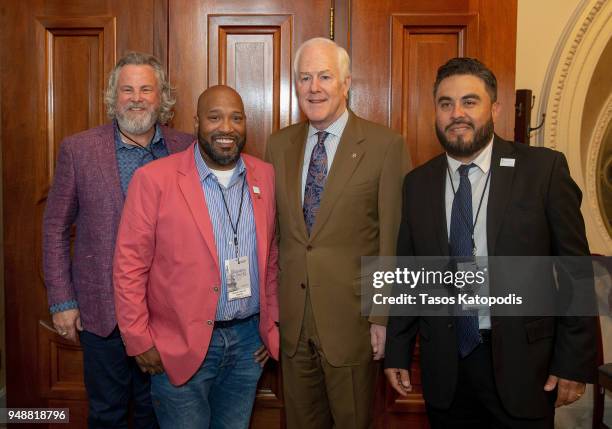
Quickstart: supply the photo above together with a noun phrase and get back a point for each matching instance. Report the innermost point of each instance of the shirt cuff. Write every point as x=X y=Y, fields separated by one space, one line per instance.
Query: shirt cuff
x=63 y=306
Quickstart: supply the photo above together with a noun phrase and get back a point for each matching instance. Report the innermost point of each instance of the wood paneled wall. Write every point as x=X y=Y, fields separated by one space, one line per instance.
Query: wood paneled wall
x=54 y=64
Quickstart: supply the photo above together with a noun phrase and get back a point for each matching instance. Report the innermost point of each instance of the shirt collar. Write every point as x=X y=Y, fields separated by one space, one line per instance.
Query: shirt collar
x=482 y=161
x=204 y=172
x=335 y=128
x=158 y=138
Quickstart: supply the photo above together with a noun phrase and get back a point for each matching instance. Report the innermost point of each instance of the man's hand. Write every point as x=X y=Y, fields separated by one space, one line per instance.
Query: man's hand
x=67 y=322
x=261 y=356
x=399 y=379
x=568 y=391
x=150 y=361
x=378 y=334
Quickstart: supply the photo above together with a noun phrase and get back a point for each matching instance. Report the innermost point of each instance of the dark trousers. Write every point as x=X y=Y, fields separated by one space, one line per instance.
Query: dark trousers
x=477 y=404
x=114 y=382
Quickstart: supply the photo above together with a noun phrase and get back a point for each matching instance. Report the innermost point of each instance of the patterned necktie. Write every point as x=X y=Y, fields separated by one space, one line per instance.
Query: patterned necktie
x=315 y=181
x=461 y=248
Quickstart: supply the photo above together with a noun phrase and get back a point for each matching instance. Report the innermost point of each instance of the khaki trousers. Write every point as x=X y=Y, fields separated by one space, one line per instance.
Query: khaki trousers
x=319 y=395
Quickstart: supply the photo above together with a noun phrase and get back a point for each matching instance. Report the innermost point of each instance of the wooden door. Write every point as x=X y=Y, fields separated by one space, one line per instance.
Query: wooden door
x=394 y=70
x=55 y=59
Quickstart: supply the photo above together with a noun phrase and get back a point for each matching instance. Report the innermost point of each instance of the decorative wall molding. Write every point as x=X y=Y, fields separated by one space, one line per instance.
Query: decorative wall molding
x=564 y=98
x=559 y=68
x=594 y=150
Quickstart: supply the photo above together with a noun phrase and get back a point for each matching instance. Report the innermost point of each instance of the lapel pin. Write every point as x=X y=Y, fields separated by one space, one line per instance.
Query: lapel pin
x=506 y=162
x=256 y=191
x=354 y=155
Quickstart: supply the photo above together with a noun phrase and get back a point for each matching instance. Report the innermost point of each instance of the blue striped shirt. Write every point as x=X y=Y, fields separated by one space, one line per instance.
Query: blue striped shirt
x=224 y=235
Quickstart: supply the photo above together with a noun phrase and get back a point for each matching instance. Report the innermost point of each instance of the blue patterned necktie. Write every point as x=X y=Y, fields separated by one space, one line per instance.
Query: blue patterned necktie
x=315 y=181
x=461 y=248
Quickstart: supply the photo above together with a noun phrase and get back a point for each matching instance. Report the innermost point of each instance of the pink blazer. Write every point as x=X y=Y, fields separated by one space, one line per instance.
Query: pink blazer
x=166 y=269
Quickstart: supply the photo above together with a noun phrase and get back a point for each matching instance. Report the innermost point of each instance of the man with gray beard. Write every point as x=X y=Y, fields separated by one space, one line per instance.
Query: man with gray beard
x=92 y=174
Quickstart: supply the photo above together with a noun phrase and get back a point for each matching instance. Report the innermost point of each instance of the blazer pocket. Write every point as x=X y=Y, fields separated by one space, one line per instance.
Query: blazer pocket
x=361 y=188
x=540 y=329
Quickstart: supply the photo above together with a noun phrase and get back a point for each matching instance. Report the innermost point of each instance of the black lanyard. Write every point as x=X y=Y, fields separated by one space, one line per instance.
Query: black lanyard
x=147 y=148
x=234 y=228
x=479 y=204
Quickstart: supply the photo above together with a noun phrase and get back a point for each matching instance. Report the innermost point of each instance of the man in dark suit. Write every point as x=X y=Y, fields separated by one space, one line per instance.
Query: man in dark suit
x=338 y=178
x=489 y=197
x=92 y=173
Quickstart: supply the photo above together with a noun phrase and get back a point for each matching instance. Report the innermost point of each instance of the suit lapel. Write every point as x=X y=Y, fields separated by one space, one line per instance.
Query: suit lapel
x=438 y=172
x=294 y=158
x=499 y=193
x=347 y=157
x=258 y=201
x=107 y=163
x=191 y=188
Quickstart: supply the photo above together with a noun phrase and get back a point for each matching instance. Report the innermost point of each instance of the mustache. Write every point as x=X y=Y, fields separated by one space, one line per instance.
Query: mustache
x=460 y=121
x=135 y=104
x=218 y=135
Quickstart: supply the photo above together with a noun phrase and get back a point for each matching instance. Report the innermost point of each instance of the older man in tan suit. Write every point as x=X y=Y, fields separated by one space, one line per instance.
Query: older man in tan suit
x=338 y=184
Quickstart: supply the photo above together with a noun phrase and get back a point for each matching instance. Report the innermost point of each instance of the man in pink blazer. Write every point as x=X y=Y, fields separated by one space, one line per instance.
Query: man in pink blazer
x=195 y=272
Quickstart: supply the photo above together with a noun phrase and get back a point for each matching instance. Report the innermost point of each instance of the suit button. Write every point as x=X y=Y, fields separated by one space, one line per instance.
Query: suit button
x=216 y=289
x=209 y=322
x=309 y=247
x=302 y=285
x=449 y=326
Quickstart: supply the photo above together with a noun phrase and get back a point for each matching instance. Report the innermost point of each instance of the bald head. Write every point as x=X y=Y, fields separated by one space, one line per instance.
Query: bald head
x=221 y=126
x=216 y=95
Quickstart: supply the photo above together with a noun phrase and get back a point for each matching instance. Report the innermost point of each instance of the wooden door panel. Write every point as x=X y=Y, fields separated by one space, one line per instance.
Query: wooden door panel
x=245 y=44
x=246 y=53
x=420 y=43
x=60 y=363
x=78 y=54
x=393 y=85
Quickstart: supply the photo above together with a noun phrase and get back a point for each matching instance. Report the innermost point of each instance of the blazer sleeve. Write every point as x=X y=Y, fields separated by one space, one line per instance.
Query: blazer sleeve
x=133 y=257
x=575 y=353
x=395 y=166
x=402 y=331
x=273 y=266
x=60 y=213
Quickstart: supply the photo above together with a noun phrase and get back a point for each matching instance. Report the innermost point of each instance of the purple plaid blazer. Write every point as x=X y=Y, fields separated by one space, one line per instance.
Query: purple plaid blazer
x=86 y=192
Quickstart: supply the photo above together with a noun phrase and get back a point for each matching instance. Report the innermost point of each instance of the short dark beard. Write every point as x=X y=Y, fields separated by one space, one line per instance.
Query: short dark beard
x=462 y=149
x=224 y=160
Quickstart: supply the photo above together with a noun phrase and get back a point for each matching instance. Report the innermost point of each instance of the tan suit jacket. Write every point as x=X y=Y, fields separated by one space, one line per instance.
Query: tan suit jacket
x=359 y=216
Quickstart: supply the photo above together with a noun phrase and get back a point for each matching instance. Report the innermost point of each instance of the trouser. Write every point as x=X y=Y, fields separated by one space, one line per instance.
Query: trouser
x=320 y=395
x=113 y=380
x=220 y=395
x=477 y=404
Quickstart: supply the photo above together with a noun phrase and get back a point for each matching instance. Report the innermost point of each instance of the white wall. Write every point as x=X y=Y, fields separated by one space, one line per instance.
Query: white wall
x=540 y=24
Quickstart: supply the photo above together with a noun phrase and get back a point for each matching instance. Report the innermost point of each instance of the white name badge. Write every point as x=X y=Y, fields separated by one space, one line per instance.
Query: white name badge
x=237 y=278
x=506 y=162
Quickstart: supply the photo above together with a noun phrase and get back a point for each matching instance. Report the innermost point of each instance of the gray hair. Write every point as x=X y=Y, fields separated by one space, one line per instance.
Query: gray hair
x=344 y=61
x=140 y=59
